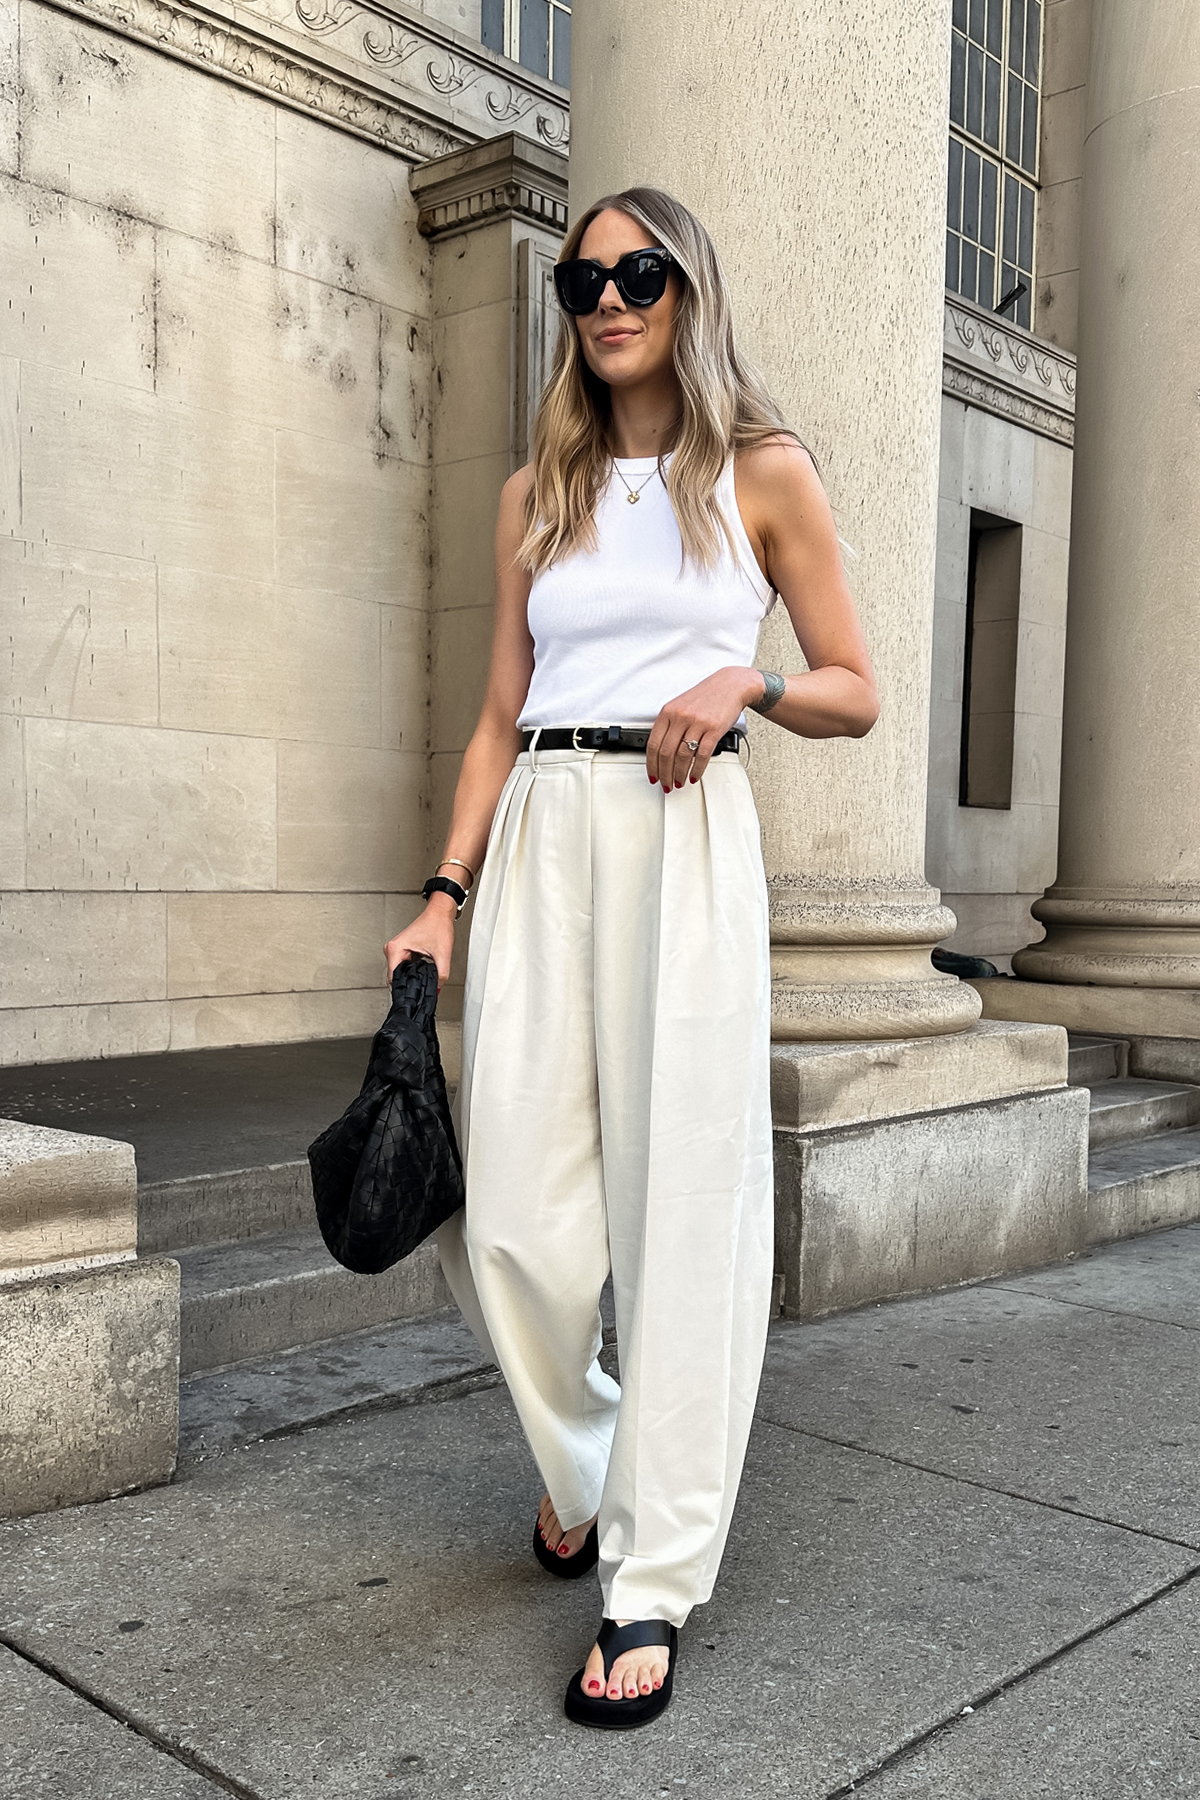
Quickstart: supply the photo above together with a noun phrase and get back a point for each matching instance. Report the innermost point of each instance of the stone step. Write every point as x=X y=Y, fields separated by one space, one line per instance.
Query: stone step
x=196 y=1210
x=1144 y=1185
x=256 y=1296
x=402 y=1364
x=1126 y=1109
x=1091 y=1059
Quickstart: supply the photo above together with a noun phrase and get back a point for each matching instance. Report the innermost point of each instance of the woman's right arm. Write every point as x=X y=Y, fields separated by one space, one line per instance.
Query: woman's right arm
x=493 y=748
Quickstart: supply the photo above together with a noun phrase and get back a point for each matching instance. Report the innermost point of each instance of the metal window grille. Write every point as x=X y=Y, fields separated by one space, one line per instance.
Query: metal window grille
x=995 y=91
x=535 y=33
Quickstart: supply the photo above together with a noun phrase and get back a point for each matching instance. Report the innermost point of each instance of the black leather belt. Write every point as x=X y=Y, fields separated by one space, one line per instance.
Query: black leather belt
x=606 y=737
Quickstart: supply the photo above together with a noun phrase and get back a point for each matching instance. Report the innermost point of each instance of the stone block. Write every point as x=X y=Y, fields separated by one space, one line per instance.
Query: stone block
x=277 y=1018
x=66 y=1201
x=405 y=412
x=1065 y=48
x=268 y=943
x=117 y=123
x=404 y=675
x=1165 y=1058
x=466 y=497
x=80 y=281
x=1087 y=1007
x=1058 y=221
x=992 y=924
x=444 y=772
x=250 y=658
x=264 y=344
x=10 y=446
x=344 y=215
x=122 y=806
x=1063 y=116
x=998 y=466
x=89 y=1385
x=900 y=1205
x=10 y=129
x=462 y=645
x=472 y=356
x=12 y=800
x=824 y=1086
x=78 y=948
x=1053 y=465
x=47 y=1034
x=349 y=521
x=351 y=819
x=1041 y=648
x=1057 y=314
x=474 y=268
x=122 y=471
x=81 y=633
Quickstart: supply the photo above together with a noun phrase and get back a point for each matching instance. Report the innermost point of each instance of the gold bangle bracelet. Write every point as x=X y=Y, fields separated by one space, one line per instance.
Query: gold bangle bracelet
x=458 y=863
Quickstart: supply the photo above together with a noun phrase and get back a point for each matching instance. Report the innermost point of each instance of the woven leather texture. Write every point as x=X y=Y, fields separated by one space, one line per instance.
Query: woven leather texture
x=388 y=1172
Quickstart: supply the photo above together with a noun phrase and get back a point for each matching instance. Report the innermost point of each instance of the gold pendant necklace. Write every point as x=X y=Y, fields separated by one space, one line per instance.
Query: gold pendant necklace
x=633 y=495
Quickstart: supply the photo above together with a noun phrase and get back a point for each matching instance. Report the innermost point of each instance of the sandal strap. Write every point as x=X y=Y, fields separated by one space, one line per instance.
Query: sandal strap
x=614 y=1640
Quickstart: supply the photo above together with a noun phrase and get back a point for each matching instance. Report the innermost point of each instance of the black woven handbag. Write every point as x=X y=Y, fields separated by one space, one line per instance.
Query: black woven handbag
x=388 y=1172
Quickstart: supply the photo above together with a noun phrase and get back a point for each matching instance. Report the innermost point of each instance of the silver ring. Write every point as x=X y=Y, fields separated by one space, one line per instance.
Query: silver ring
x=693 y=745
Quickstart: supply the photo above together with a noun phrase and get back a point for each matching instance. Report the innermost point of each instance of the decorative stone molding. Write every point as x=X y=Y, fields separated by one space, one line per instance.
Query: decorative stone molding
x=508 y=177
x=1007 y=371
x=378 y=71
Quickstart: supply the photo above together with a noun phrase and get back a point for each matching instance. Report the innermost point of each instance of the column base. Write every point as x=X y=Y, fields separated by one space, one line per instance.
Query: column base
x=89 y=1384
x=912 y=1165
x=1111 y=1011
x=863 y=993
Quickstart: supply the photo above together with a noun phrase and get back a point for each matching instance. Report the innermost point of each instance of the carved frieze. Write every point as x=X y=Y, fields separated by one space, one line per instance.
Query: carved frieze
x=1004 y=370
x=380 y=71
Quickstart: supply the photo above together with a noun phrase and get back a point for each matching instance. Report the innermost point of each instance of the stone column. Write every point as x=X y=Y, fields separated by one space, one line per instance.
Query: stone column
x=813 y=146
x=1122 y=945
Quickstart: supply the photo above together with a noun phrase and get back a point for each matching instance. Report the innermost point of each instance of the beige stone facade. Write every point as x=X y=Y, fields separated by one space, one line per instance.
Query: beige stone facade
x=279 y=310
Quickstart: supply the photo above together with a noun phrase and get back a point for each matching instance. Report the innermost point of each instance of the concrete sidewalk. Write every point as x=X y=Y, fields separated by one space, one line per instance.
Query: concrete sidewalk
x=966 y=1563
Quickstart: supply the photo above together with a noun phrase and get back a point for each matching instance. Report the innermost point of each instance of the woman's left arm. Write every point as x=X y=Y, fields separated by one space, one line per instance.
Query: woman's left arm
x=787 y=515
x=790 y=525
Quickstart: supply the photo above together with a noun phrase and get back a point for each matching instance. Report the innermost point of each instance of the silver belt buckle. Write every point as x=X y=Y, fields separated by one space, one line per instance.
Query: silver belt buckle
x=575 y=743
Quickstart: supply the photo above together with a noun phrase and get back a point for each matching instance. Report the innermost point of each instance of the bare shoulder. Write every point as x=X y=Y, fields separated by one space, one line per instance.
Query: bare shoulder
x=510 y=522
x=777 y=469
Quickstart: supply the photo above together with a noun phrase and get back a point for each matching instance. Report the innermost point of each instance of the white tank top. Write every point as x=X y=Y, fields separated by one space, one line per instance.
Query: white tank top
x=620 y=630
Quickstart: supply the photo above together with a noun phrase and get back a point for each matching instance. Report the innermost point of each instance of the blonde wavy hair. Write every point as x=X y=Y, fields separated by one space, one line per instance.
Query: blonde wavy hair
x=724 y=403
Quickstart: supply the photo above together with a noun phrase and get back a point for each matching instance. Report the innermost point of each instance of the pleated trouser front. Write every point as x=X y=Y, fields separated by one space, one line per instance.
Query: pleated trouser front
x=614 y=1112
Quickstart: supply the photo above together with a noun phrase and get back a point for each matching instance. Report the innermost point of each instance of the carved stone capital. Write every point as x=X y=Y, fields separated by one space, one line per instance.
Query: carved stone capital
x=508 y=177
x=1004 y=370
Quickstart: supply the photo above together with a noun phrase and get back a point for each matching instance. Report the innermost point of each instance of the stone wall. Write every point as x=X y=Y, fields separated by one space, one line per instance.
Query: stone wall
x=1007 y=431
x=216 y=398
x=1064 y=100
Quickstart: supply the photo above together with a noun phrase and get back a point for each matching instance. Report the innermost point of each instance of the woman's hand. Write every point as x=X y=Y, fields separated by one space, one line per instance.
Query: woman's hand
x=431 y=932
x=701 y=716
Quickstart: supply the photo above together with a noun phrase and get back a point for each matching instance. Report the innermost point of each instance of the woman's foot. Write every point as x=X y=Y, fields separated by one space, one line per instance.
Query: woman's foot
x=564 y=1544
x=637 y=1672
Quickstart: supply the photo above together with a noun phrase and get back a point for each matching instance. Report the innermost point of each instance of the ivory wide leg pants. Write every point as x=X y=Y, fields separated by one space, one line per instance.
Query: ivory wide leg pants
x=614 y=1111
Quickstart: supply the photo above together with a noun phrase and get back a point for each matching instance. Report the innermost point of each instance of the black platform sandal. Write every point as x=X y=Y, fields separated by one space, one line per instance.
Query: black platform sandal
x=623 y=1715
x=567 y=1568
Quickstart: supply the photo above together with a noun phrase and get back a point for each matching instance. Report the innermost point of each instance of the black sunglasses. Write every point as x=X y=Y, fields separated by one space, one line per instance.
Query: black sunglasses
x=640 y=277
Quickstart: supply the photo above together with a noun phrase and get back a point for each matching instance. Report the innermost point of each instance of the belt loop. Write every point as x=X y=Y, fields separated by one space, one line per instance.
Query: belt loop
x=533 y=763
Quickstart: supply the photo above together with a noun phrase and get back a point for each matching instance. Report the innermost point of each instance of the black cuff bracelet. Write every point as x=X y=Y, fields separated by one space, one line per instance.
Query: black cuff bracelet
x=442 y=884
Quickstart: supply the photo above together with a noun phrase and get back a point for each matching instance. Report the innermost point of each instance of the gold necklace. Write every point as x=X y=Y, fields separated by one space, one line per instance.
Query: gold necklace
x=634 y=494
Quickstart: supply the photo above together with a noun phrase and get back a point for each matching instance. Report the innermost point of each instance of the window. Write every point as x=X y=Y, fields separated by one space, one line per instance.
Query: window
x=995 y=76
x=990 y=662
x=536 y=33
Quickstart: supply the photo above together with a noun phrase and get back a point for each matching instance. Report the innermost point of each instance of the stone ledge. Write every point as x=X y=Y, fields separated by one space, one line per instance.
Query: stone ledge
x=1110 y=1011
x=507 y=177
x=822 y=1086
x=901 y=1206
x=66 y=1201
x=89 y=1385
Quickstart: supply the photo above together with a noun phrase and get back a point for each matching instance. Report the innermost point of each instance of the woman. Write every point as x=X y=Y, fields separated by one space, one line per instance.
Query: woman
x=614 y=1104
